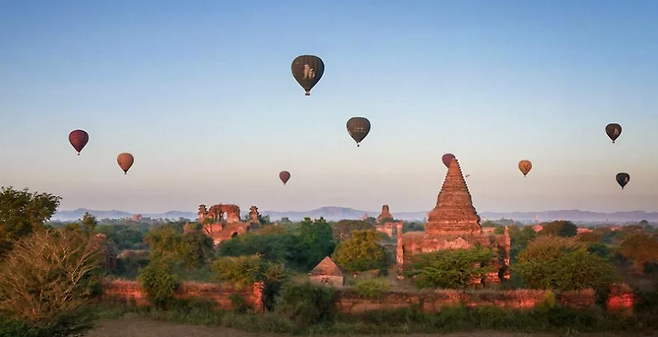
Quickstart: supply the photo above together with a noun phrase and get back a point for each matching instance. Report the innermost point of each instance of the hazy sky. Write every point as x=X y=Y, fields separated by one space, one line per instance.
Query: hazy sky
x=202 y=94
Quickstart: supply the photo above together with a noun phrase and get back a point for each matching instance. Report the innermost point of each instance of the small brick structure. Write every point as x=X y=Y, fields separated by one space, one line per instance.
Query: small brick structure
x=621 y=299
x=327 y=273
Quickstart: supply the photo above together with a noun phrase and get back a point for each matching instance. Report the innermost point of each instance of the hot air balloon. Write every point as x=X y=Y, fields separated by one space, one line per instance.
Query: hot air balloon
x=125 y=161
x=623 y=179
x=358 y=128
x=307 y=70
x=78 y=139
x=284 y=176
x=447 y=159
x=525 y=166
x=613 y=130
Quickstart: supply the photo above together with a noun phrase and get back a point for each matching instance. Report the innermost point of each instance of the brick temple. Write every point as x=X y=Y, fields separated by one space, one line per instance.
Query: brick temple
x=455 y=224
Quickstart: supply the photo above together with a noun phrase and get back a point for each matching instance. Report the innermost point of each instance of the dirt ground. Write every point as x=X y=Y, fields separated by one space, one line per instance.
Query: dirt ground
x=145 y=328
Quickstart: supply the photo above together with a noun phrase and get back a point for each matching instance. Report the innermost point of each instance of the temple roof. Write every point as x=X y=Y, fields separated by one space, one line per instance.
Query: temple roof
x=326 y=267
x=454 y=211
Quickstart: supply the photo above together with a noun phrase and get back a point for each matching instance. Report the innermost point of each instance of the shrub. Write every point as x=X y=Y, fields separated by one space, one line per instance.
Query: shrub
x=450 y=268
x=47 y=279
x=372 y=288
x=361 y=252
x=158 y=282
x=307 y=304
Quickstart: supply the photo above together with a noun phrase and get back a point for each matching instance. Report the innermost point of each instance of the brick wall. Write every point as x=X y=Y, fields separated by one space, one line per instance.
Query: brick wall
x=131 y=292
x=349 y=302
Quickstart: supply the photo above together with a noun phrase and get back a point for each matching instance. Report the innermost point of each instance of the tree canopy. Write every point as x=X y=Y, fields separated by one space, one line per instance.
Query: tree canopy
x=22 y=213
x=450 y=268
x=361 y=252
x=641 y=248
x=559 y=228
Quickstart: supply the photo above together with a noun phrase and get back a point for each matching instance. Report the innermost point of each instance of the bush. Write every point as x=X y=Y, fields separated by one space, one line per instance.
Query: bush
x=372 y=288
x=47 y=279
x=158 y=282
x=307 y=304
x=361 y=252
x=450 y=268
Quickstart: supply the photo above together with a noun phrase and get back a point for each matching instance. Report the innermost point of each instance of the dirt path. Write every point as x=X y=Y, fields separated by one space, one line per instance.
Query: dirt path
x=145 y=328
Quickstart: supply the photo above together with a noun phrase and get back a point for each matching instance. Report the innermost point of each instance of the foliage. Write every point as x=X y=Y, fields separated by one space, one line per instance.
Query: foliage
x=560 y=228
x=244 y=271
x=520 y=237
x=274 y=247
x=589 y=237
x=641 y=248
x=47 y=279
x=413 y=227
x=562 y=264
x=343 y=229
x=372 y=288
x=307 y=304
x=361 y=252
x=195 y=249
x=450 y=268
x=22 y=213
x=317 y=241
x=599 y=249
x=164 y=243
x=158 y=281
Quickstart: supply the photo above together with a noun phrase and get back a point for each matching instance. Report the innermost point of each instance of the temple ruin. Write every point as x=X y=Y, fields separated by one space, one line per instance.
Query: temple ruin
x=454 y=224
x=386 y=222
x=222 y=221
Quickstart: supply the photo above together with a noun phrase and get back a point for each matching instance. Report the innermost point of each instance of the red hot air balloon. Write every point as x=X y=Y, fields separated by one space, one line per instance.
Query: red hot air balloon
x=447 y=159
x=284 y=176
x=125 y=161
x=78 y=139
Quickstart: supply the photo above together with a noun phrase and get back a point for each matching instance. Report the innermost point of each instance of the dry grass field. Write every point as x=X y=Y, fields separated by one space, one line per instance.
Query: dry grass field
x=146 y=328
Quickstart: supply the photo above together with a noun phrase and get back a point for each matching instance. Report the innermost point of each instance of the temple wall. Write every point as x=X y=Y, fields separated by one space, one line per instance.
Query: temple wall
x=131 y=292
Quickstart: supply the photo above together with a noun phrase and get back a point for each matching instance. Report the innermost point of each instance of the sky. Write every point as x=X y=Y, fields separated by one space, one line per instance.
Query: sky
x=201 y=93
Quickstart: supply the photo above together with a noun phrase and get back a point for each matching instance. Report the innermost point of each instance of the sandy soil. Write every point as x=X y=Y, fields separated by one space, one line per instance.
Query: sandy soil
x=145 y=328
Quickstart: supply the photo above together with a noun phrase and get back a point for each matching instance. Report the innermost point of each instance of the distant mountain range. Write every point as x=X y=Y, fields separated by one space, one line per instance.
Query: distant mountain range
x=334 y=213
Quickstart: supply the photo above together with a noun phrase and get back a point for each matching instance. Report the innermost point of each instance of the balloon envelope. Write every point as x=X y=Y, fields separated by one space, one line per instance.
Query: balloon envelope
x=622 y=179
x=125 y=161
x=284 y=176
x=78 y=139
x=307 y=71
x=358 y=128
x=613 y=130
x=525 y=166
x=447 y=159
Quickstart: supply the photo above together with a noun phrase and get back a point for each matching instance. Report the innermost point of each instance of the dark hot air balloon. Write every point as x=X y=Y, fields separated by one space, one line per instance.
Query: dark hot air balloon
x=284 y=176
x=358 y=128
x=613 y=130
x=125 y=161
x=447 y=159
x=78 y=139
x=623 y=179
x=525 y=166
x=307 y=70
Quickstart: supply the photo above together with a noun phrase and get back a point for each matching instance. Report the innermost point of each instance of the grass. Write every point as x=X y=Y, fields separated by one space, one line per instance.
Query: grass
x=401 y=321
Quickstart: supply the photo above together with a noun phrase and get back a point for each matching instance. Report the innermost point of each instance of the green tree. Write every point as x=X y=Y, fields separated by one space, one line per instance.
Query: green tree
x=317 y=241
x=22 y=213
x=88 y=223
x=46 y=280
x=641 y=248
x=589 y=237
x=244 y=271
x=559 y=228
x=273 y=247
x=551 y=262
x=164 y=243
x=127 y=238
x=450 y=268
x=158 y=281
x=343 y=229
x=361 y=252
x=195 y=249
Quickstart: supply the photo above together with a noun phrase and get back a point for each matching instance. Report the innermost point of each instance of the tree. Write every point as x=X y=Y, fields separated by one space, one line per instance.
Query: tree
x=559 y=228
x=450 y=268
x=89 y=223
x=195 y=249
x=158 y=281
x=641 y=248
x=244 y=271
x=589 y=237
x=343 y=229
x=361 y=252
x=164 y=243
x=551 y=262
x=46 y=280
x=317 y=240
x=22 y=213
